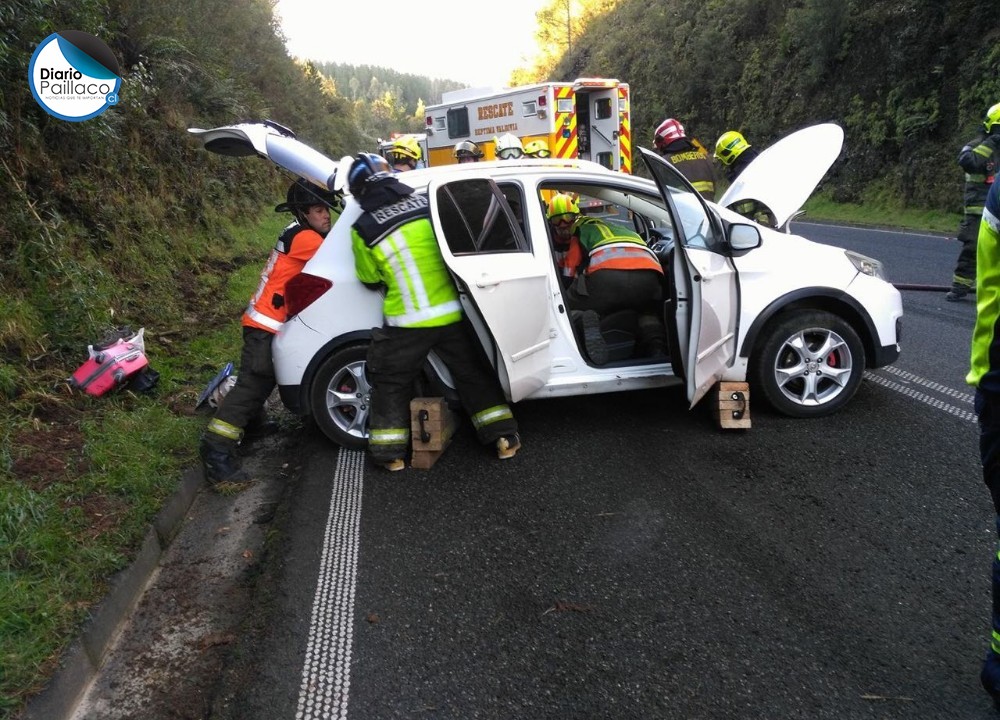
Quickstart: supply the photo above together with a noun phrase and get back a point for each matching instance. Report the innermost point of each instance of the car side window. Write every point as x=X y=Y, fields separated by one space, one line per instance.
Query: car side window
x=480 y=217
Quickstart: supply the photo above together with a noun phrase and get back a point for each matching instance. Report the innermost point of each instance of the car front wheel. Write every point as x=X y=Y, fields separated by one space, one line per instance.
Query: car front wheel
x=341 y=397
x=808 y=364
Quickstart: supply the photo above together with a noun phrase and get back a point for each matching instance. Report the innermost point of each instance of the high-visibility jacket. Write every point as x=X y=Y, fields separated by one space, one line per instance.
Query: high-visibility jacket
x=985 y=338
x=395 y=244
x=611 y=248
x=978 y=159
x=267 y=309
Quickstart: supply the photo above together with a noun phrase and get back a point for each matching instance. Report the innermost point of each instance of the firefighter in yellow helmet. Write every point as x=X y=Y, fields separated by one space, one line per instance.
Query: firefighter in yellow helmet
x=606 y=268
x=404 y=154
x=537 y=149
x=734 y=153
x=979 y=160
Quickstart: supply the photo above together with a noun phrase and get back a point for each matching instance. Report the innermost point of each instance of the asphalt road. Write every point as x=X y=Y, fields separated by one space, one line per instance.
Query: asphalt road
x=634 y=561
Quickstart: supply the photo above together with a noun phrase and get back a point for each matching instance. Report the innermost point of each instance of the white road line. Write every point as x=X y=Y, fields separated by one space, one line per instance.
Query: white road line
x=921 y=397
x=326 y=674
x=965 y=397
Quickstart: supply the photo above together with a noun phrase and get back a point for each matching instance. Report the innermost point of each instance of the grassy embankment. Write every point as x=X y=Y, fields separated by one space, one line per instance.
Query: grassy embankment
x=81 y=478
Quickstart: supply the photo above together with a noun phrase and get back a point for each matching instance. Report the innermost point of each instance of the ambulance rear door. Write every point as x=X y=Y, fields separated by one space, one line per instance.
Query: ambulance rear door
x=597 y=123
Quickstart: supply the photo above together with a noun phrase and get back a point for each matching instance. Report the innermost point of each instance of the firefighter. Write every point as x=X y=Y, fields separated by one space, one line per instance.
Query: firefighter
x=242 y=410
x=735 y=154
x=605 y=269
x=394 y=246
x=984 y=375
x=508 y=147
x=978 y=159
x=687 y=155
x=404 y=154
x=467 y=151
x=537 y=149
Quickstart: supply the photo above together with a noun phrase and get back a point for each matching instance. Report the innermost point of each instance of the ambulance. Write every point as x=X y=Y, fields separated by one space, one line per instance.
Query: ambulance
x=588 y=118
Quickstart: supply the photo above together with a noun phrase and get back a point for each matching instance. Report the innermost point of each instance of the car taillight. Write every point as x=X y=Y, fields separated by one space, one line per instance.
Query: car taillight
x=303 y=290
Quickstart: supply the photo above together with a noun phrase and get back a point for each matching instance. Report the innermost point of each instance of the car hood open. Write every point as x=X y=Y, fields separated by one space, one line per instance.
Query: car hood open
x=275 y=143
x=784 y=175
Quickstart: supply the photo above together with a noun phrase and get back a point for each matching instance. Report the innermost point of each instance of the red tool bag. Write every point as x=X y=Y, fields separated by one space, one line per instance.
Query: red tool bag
x=110 y=366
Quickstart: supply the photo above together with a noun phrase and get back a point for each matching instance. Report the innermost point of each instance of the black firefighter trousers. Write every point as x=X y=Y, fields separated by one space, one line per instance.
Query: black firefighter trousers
x=395 y=359
x=244 y=403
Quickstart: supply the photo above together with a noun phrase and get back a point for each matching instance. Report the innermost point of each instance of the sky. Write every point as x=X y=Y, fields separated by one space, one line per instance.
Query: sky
x=467 y=45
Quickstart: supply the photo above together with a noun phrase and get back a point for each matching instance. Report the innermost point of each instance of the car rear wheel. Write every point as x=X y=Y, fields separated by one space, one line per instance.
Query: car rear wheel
x=808 y=364
x=341 y=397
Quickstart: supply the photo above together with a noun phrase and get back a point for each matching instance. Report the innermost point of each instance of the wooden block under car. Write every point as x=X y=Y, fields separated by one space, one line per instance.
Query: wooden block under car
x=732 y=403
x=432 y=425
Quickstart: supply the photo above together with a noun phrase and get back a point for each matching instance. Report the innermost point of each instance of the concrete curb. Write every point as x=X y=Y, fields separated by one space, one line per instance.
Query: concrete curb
x=85 y=656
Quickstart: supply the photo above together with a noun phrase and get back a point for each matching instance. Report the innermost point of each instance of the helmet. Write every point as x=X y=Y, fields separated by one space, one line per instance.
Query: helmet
x=302 y=195
x=467 y=149
x=562 y=204
x=537 y=149
x=666 y=132
x=366 y=167
x=992 y=118
x=404 y=150
x=507 y=147
x=730 y=146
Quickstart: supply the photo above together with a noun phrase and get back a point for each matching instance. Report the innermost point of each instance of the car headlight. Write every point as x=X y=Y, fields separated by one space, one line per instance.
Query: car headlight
x=866 y=265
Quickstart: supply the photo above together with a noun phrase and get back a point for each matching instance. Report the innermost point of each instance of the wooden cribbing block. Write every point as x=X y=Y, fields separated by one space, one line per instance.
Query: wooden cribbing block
x=732 y=405
x=432 y=425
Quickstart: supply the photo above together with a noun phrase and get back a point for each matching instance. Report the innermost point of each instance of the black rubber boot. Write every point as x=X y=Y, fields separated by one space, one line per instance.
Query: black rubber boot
x=221 y=464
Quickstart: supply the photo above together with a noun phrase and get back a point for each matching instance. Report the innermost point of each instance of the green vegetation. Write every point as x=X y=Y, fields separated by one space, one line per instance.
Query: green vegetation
x=908 y=80
x=123 y=219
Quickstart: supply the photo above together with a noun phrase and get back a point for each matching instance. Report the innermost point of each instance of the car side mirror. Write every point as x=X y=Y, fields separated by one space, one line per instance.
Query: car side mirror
x=743 y=237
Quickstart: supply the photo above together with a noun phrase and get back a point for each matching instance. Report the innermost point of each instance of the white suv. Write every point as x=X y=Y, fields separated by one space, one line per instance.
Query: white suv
x=799 y=321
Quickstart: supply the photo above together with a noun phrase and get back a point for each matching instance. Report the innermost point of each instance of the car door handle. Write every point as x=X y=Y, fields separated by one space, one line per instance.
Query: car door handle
x=485 y=281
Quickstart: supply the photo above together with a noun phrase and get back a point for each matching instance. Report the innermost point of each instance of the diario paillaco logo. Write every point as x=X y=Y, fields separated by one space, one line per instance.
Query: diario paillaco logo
x=74 y=76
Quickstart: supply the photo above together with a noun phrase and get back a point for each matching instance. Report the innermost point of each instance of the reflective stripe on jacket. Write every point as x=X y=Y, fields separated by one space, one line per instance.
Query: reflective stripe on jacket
x=419 y=290
x=267 y=309
x=613 y=248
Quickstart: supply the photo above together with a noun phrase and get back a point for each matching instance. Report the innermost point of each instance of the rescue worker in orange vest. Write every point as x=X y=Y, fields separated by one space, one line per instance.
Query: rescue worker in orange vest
x=606 y=268
x=242 y=410
x=687 y=155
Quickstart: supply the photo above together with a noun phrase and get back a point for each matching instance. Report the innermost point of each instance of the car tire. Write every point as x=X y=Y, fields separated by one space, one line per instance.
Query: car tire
x=340 y=397
x=807 y=364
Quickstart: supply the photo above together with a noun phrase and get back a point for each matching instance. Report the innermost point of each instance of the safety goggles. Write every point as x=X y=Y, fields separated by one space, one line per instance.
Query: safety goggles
x=510 y=153
x=467 y=158
x=540 y=154
x=564 y=219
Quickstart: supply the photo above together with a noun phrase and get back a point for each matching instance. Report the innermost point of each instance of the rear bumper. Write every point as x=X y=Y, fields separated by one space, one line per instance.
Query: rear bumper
x=291 y=398
x=885 y=356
